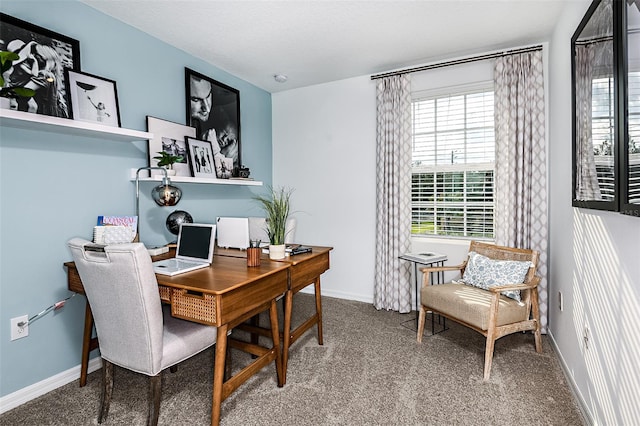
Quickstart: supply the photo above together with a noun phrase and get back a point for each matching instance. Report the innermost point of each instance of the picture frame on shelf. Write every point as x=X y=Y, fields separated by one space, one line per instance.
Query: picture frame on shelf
x=169 y=137
x=224 y=167
x=201 y=158
x=213 y=109
x=44 y=56
x=93 y=99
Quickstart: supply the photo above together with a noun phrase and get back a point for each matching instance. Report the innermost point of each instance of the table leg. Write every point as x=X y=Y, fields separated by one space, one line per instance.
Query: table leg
x=275 y=335
x=319 y=310
x=86 y=344
x=218 y=374
x=288 y=304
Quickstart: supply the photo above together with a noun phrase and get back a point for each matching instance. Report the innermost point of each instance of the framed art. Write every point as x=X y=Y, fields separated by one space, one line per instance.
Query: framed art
x=201 y=158
x=93 y=98
x=224 y=167
x=44 y=56
x=170 y=138
x=213 y=109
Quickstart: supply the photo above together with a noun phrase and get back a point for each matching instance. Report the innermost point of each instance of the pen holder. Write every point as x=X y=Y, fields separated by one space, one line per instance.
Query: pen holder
x=253 y=256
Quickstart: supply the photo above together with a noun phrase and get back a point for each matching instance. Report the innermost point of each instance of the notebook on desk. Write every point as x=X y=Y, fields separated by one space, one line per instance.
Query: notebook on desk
x=194 y=250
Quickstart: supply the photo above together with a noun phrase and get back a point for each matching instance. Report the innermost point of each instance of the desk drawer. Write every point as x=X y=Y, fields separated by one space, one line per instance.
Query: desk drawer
x=192 y=306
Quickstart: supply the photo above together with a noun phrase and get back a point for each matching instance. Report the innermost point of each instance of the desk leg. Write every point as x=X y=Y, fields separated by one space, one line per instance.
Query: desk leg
x=288 y=304
x=218 y=374
x=86 y=344
x=275 y=335
x=319 y=310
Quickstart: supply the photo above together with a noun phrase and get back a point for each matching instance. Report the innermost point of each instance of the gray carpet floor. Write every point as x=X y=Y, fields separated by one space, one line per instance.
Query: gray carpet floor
x=370 y=371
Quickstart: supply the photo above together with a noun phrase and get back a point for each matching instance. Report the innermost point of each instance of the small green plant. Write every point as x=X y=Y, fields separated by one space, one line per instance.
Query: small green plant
x=167 y=159
x=276 y=206
x=6 y=62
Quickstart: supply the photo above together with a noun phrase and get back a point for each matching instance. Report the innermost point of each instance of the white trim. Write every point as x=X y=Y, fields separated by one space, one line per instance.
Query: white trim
x=35 y=390
x=582 y=403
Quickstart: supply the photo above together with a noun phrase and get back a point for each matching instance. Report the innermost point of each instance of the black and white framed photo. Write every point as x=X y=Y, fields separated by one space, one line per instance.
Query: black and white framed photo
x=201 y=158
x=93 y=99
x=169 y=137
x=213 y=109
x=224 y=167
x=44 y=56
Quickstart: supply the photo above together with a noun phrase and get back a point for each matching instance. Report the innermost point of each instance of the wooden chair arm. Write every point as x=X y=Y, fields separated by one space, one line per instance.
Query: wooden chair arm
x=427 y=269
x=524 y=286
x=443 y=268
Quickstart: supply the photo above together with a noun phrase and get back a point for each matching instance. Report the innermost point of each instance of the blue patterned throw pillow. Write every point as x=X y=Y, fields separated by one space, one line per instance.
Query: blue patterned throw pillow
x=484 y=272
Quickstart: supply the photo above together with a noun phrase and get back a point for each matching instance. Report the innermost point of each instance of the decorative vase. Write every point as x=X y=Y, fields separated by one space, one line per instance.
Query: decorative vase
x=276 y=252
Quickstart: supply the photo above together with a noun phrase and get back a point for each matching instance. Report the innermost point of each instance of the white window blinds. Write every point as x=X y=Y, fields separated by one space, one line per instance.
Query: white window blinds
x=453 y=164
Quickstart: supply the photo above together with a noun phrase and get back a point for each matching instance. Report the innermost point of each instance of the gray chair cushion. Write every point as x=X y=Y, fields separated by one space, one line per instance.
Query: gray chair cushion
x=471 y=304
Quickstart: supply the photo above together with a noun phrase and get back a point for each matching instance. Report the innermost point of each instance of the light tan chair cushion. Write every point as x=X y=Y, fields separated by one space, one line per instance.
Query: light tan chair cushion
x=470 y=304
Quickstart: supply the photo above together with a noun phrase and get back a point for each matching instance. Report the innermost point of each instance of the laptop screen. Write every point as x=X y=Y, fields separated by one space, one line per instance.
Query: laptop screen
x=196 y=241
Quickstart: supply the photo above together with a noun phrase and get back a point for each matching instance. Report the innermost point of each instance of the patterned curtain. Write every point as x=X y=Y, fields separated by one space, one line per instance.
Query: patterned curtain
x=521 y=173
x=392 y=289
x=587 y=187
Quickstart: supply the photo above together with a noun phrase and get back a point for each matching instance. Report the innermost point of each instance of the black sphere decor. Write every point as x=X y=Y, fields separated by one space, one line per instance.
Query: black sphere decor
x=175 y=219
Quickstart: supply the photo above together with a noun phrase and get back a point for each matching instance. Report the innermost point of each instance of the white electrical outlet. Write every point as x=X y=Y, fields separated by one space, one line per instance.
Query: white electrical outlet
x=586 y=336
x=560 y=301
x=18 y=332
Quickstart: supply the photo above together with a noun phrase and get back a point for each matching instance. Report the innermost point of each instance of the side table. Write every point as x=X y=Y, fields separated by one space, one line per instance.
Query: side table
x=425 y=259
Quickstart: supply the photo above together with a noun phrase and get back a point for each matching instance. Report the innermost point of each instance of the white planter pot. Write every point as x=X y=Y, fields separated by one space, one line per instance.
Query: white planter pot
x=276 y=252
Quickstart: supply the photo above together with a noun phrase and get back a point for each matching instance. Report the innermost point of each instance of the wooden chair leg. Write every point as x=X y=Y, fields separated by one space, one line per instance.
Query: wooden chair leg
x=421 y=319
x=488 y=355
x=155 y=393
x=107 y=390
x=491 y=334
x=535 y=307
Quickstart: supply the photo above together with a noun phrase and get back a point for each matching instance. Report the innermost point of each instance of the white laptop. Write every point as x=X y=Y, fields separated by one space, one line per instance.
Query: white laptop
x=194 y=250
x=233 y=232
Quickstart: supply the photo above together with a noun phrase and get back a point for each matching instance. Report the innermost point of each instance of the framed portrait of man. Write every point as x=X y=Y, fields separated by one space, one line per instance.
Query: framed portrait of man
x=43 y=58
x=213 y=109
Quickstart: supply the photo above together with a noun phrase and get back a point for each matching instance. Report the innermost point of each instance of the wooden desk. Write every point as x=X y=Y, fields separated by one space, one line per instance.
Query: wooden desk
x=304 y=269
x=228 y=293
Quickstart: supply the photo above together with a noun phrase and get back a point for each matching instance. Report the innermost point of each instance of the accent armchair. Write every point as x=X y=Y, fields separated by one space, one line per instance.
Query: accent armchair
x=134 y=330
x=497 y=295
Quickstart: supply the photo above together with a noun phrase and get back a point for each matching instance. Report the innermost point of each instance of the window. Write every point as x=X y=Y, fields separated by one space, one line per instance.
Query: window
x=453 y=164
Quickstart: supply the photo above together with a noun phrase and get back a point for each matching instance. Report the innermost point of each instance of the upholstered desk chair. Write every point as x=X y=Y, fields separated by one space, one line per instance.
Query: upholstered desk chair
x=478 y=300
x=133 y=329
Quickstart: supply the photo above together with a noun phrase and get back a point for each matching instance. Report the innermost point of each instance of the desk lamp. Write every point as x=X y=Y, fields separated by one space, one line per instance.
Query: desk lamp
x=164 y=194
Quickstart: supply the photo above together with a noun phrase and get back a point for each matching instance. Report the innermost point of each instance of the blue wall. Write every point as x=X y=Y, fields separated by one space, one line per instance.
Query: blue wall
x=54 y=185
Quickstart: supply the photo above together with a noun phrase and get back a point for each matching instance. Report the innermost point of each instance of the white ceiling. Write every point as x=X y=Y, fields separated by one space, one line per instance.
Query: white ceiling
x=317 y=41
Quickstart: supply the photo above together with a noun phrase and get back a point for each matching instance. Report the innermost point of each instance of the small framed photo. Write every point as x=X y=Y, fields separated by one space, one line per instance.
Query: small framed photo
x=201 y=158
x=93 y=99
x=169 y=137
x=213 y=109
x=44 y=56
x=224 y=167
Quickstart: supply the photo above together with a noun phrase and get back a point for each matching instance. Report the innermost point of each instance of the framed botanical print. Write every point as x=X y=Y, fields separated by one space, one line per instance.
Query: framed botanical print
x=213 y=109
x=201 y=158
x=169 y=137
x=43 y=58
x=93 y=99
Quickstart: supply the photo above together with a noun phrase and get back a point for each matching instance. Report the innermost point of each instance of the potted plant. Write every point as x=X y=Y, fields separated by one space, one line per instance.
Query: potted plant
x=276 y=206
x=167 y=160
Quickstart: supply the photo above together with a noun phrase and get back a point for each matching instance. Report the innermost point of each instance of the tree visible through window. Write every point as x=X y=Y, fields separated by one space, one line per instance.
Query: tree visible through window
x=453 y=165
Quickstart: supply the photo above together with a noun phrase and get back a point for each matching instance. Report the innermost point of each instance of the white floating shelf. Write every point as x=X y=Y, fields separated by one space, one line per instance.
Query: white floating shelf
x=190 y=179
x=46 y=123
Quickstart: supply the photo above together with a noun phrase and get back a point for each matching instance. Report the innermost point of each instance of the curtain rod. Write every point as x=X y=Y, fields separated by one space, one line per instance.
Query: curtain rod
x=458 y=61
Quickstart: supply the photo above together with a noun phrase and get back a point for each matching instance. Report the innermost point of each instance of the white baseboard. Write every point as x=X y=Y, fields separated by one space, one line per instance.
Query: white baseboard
x=582 y=403
x=35 y=390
